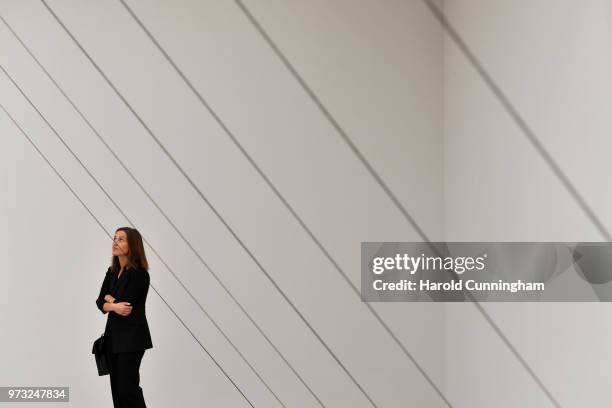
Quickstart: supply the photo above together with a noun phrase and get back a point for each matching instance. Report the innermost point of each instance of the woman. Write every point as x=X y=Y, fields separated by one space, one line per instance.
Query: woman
x=123 y=296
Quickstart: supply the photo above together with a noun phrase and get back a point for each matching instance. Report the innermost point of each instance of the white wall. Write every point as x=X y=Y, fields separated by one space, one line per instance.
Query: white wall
x=410 y=102
x=552 y=59
x=377 y=67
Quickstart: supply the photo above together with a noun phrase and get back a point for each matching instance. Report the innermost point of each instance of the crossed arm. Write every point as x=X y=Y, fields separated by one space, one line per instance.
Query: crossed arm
x=135 y=292
x=106 y=303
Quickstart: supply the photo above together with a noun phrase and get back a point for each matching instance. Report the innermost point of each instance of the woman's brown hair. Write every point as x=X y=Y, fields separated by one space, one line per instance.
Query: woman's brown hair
x=136 y=254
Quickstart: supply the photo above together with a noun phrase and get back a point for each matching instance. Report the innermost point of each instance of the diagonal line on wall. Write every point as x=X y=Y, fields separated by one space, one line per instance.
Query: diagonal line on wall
x=284 y=201
x=518 y=120
x=531 y=137
x=110 y=236
x=132 y=224
x=166 y=217
x=326 y=113
x=213 y=209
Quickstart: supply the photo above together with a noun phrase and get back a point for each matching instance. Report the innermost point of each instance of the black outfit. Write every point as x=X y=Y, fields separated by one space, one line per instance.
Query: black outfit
x=127 y=337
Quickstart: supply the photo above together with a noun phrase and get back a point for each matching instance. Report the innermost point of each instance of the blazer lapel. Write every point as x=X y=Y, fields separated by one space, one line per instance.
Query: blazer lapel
x=120 y=285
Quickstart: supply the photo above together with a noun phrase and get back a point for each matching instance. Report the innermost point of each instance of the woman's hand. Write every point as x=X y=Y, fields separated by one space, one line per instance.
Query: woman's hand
x=122 y=308
x=109 y=299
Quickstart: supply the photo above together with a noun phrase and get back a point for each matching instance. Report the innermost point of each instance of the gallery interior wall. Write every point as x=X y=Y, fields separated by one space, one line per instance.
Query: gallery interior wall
x=262 y=142
x=382 y=86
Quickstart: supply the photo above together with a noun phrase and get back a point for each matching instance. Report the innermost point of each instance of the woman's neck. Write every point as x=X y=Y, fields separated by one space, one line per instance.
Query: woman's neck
x=122 y=262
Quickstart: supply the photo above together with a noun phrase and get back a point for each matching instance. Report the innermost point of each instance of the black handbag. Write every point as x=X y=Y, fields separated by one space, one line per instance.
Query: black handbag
x=99 y=346
x=99 y=349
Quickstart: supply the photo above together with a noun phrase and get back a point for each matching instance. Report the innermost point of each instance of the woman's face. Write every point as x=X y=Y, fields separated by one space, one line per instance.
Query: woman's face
x=120 y=245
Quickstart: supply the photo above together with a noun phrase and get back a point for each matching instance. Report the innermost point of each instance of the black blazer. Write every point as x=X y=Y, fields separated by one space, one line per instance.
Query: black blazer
x=131 y=332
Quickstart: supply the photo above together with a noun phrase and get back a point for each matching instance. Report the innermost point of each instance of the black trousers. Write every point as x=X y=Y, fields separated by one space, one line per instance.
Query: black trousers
x=124 y=374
